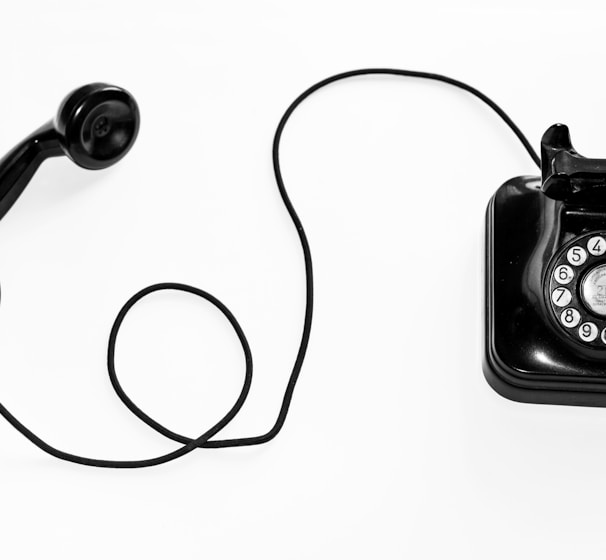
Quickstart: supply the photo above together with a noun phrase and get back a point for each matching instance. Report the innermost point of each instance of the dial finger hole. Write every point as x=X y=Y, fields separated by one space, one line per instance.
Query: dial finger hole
x=576 y=255
x=570 y=317
x=563 y=274
x=588 y=332
x=561 y=297
x=596 y=246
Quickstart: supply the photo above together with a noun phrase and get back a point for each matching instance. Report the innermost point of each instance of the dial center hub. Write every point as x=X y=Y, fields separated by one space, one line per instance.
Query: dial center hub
x=593 y=290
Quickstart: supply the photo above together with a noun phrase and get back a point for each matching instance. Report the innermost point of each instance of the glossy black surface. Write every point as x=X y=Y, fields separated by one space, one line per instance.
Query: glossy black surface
x=96 y=126
x=527 y=356
x=19 y=165
x=567 y=175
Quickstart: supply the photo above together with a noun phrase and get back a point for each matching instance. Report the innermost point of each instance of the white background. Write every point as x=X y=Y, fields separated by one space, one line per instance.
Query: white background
x=395 y=446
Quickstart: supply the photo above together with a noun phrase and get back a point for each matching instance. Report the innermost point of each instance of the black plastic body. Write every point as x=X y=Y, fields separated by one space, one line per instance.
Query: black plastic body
x=19 y=165
x=526 y=357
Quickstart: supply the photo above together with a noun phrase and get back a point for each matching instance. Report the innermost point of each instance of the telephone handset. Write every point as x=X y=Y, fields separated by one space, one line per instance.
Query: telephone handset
x=546 y=280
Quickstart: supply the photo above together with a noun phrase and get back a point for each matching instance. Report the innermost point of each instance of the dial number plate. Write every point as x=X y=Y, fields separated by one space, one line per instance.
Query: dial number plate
x=575 y=289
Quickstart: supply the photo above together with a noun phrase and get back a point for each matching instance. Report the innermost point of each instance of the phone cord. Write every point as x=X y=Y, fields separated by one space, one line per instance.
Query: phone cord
x=189 y=444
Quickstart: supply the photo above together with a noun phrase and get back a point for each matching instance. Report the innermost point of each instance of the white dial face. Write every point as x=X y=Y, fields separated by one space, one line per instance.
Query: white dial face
x=593 y=290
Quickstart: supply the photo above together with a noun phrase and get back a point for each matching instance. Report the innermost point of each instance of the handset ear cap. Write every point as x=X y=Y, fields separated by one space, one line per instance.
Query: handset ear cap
x=98 y=124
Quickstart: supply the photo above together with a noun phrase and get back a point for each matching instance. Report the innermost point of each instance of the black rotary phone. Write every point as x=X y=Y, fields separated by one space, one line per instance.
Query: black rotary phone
x=546 y=280
x=545 y=262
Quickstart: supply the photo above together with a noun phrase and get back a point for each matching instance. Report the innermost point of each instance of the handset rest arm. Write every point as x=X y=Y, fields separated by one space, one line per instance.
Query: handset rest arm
x=567 y=175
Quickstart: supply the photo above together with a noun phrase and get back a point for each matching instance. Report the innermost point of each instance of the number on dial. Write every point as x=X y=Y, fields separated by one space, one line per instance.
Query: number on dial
x=561 y=297
x=588 y=332
x=563 y=274
x=596 y=246
x=570 y=317
x=576 y=256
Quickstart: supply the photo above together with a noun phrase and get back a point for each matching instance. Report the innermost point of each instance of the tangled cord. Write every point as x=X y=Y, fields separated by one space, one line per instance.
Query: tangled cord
x=189 y=444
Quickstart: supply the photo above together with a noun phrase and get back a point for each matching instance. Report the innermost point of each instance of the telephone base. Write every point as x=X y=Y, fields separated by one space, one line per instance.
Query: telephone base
x=527 y=356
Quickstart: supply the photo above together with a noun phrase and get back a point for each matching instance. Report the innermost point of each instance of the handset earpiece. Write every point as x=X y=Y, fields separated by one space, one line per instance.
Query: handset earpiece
x=96 y=126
